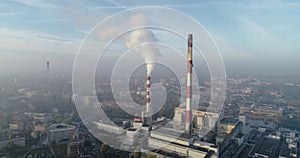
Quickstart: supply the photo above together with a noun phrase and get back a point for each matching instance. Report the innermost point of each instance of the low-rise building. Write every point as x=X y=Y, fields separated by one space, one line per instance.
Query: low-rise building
x=40 y=128
x=16 y=126
x=73 y=149
x=59 y=132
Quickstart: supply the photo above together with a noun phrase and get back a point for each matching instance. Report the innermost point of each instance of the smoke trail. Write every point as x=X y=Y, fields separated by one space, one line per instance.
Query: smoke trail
x=141 y=37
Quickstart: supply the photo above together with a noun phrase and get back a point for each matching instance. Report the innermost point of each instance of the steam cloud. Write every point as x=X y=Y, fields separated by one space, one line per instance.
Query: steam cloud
x=141 y=41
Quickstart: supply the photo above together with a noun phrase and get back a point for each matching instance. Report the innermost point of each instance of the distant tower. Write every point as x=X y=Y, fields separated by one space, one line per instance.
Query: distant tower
x=48 y=65
x=188 y=112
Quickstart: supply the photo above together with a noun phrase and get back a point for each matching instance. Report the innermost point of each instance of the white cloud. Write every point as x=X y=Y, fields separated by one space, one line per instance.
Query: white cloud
x=292 y=4
x=256 y=4
x=81 y=31
x=261 y=39
x=28 y=40
x=116 y=4
x=10 y=13
x=39 y=42
x=35 y=3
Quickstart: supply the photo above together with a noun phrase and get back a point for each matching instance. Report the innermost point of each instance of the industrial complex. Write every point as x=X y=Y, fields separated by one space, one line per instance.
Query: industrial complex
x=199 y=133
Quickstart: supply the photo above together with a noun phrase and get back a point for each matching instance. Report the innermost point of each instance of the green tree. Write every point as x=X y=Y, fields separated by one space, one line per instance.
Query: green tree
x=137 y=154
x=105 y=150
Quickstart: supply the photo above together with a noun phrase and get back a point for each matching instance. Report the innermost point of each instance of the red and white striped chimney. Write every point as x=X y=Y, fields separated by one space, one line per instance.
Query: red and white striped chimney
x=148 y=94
x=188 y=112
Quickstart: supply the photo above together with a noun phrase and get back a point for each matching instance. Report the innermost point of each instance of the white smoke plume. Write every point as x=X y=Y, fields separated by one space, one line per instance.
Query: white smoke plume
x=141 y=40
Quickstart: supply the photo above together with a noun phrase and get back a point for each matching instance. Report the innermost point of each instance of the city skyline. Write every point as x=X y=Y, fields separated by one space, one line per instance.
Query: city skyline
x=149 y=79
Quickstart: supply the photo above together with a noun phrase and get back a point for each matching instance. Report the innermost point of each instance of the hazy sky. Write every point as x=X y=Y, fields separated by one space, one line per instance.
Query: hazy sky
x=253 y=36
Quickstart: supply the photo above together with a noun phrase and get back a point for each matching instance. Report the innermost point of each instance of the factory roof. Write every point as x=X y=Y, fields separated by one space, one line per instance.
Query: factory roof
x=164 y=153
x=185 y=136
x=285 y=151
x=230 y=121
x=268 y=147
x=199 y=148
x=210 y=154
x=61 y=126
x=240 y=135
x=171 y=132
x=132 y=129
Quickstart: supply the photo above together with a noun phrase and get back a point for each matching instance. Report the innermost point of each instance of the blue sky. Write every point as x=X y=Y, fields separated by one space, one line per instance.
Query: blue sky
x=253 y=35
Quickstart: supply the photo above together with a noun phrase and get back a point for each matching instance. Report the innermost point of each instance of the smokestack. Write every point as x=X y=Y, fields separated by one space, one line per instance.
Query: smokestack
x=148 y=94
x=148 y=118
x=188 y=112
x=48 y=65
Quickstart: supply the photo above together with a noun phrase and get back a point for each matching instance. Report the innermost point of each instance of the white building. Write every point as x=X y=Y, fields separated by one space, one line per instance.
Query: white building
x=60 y=132
x=109 y=128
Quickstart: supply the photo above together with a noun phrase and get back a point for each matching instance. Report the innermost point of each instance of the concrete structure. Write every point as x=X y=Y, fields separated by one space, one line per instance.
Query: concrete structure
x=202 y=119
x=147 y=120
x=130 y=133
x=73 y=149
x=287 y=152
x=40 y=116
x=109 y=128
x=40 y=128
x=148 y=99
x=16 y=126
x=178 y=149
x=59 y=132
x=175 y=141
x=137 y=125
x=75 y=142
x=240 y=139
x=242 y=119
x=268 y=143
x=226 y=125
x=268 y=148
x=179 y=117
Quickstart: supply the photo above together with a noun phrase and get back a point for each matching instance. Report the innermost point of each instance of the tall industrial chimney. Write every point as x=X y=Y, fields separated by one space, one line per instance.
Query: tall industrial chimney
x=148 y=108
x=188 y=112
x=48 y=65
x=148 y=94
